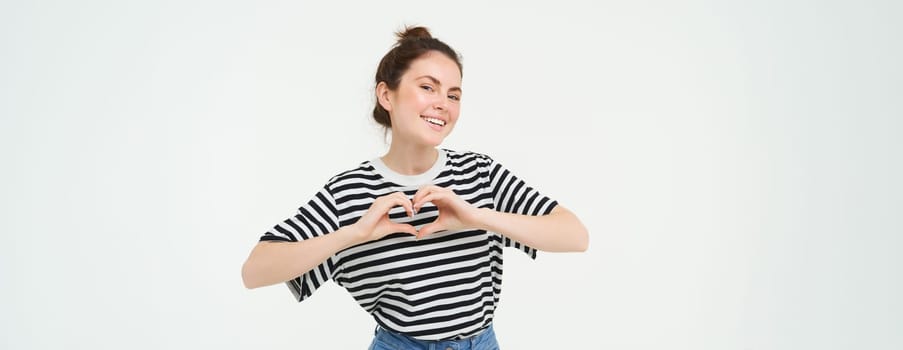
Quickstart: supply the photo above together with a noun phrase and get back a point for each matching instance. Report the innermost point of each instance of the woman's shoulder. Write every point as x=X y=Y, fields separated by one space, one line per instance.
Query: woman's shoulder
x=362 y=171
x=467 y=156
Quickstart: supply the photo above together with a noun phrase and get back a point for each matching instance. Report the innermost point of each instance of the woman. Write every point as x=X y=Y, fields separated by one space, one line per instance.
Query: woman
x=416 y=235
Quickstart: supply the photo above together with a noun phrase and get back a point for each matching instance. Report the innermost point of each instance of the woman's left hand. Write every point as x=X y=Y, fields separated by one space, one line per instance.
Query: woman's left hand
x=454 y=212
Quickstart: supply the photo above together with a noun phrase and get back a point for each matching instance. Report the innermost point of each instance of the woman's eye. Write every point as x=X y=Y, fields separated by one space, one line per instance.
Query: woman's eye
x=454 y=97
x=426 y=87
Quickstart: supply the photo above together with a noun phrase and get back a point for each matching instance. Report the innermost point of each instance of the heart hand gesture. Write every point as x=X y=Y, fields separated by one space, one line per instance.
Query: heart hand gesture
x=454 y=212
x=375 y=223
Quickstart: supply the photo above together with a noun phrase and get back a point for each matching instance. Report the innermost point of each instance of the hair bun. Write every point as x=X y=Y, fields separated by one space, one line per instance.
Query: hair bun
x=413 y=33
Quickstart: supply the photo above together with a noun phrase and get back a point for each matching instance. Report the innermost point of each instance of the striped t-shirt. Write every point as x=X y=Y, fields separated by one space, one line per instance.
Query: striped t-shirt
x=443 y=286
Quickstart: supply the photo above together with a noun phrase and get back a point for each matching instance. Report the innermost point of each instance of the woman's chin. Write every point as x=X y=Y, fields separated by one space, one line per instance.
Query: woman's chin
x=432 y=140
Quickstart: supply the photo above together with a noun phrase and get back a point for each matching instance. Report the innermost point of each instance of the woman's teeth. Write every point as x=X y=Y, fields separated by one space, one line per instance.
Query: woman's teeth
x=435 y=121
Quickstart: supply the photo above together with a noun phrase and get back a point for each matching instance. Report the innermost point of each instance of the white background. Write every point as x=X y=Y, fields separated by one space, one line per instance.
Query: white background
x=738 y=166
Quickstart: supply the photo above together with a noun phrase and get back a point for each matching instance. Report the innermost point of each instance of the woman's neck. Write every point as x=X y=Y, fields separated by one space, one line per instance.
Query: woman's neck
x=409 y=159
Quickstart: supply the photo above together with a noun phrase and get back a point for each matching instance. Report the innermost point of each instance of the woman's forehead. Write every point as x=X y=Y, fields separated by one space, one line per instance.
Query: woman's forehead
x=436 y=66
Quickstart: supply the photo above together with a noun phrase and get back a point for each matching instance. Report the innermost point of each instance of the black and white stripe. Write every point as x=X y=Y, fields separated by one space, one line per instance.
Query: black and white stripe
x=443 y=286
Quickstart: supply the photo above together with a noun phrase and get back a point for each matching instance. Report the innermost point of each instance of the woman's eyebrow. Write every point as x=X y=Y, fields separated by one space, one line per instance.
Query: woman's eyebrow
x=436 y=81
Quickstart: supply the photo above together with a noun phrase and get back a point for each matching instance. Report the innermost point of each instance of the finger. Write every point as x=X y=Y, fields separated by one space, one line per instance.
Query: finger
x=382 y=205
x=405 y=202
x=424 y=191
x=395 y=199
x=434 y=197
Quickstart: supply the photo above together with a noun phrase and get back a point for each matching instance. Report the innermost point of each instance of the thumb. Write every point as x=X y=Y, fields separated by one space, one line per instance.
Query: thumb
x=429 y=229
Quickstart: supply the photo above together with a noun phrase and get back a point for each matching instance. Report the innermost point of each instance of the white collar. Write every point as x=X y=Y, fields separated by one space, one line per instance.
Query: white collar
x=411 y=180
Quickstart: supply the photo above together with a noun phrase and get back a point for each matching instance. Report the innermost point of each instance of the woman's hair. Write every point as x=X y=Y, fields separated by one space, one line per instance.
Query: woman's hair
x=412 y=43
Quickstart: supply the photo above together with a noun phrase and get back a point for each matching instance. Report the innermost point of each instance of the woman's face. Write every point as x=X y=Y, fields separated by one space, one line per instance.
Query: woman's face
x=425 y=106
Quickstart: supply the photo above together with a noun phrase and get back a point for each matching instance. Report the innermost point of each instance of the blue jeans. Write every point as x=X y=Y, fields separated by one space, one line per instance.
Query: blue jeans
x=386 y=340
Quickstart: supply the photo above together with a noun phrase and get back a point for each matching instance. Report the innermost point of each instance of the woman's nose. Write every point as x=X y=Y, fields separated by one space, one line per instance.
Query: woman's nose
x=440 y=104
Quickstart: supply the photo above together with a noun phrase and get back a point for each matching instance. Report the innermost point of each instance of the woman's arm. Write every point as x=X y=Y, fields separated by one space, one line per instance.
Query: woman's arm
x=274 y=262
x=559 y=231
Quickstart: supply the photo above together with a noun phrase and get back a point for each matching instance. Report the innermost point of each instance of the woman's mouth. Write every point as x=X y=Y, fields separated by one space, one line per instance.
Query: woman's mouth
x=434 y=123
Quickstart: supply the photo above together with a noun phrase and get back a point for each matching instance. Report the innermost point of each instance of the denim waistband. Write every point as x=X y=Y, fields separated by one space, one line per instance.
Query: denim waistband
x=388 y=340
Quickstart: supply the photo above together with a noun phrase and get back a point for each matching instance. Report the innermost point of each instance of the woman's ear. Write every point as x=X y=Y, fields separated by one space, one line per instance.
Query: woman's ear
x=382 y=96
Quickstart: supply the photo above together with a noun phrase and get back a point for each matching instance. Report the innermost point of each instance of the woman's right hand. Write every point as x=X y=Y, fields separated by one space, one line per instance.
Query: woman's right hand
x=375 y=223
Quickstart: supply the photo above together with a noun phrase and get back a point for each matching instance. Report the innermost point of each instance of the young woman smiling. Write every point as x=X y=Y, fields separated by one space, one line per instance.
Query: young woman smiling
x=416 y=235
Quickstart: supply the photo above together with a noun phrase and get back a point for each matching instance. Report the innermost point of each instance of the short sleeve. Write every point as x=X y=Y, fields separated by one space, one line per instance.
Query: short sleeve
x=316 y=218
x=512 y=195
